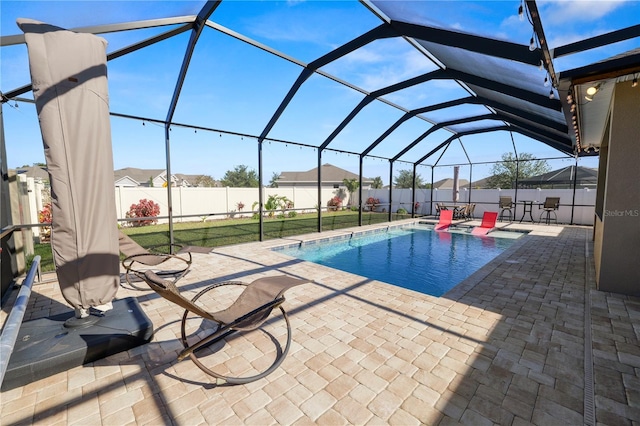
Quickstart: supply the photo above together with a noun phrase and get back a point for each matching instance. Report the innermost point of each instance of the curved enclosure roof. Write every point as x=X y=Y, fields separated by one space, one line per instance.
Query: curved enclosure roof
x=399 y=80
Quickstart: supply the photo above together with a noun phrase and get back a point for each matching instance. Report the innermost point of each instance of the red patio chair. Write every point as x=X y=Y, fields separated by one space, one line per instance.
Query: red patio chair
x=488 y=224
x=446 y=216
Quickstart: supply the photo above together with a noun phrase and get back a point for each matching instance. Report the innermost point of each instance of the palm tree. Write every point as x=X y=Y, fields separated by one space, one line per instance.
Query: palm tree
x=352 y=186
x=273 y=183
x=377 y=182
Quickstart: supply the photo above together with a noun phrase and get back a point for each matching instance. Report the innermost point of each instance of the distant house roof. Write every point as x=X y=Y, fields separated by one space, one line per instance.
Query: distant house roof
x=330 y=174
x=584 y=176
x=37 y=172
x=481 y=183
x=141 y=176
x=130 y=175
x=448 y=183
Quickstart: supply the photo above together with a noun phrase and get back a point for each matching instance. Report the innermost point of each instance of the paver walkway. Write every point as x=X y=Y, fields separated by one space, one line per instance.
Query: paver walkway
x=507 y=346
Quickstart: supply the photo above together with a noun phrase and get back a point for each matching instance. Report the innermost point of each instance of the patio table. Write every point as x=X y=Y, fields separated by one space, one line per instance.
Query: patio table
x=527 y=208
x=457 y=209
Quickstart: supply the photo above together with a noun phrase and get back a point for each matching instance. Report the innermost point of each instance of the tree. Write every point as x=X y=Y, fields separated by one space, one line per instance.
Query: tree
x=503 y=174
x=205 y=181
x=404 y=179
x=273 y=183
x=377 y=183
x=352 y=186
x=240 y=177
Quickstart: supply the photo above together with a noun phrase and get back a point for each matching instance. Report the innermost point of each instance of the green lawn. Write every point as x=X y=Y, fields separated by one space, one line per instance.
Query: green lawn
x=233 y=231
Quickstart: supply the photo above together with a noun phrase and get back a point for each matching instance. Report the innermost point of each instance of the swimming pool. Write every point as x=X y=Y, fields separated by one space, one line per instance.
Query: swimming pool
x=416 y=258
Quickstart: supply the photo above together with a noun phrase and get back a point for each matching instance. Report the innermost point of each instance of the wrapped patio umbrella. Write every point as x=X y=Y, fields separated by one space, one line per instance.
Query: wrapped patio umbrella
x=456 y=184
x=69 y=78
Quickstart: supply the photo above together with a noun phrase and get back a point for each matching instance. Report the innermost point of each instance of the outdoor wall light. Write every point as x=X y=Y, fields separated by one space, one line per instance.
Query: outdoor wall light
x=591 y=91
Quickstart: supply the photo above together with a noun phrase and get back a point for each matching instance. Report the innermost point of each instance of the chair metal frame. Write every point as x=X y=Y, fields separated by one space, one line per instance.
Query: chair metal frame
x=251 y=319
x=138 y=259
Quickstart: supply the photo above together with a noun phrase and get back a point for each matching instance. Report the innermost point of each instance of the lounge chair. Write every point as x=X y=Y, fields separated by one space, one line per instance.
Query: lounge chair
x=488 y=224
x=138 y=259
x=446 y=216
x=248 y=312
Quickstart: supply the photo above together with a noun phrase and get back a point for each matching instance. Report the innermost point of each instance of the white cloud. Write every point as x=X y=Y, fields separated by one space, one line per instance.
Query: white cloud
x=577 y=11
x=364 y=55
x=381 y=64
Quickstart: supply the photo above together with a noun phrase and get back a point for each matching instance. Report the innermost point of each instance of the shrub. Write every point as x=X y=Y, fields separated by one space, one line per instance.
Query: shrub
x=44 y=216
x=354 y=208
x=240 y=205
x=334 y=203
x=145 y=208
x=401 y=210
x=293 y=214
x=373 y=203
x=275 y=202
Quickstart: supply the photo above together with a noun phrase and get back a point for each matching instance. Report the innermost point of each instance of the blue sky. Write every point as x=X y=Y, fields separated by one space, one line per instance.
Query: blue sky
x=235 y=87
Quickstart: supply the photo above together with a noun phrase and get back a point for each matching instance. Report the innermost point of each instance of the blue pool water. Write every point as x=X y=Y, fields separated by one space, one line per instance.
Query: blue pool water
x=418 y=259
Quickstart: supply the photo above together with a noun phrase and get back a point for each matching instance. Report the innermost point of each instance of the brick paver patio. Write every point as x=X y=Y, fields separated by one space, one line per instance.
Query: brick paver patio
x=507 y=346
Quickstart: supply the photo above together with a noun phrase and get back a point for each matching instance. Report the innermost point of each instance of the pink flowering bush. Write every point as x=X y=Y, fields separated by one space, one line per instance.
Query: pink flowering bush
x=44 y=216
x=372 y=203
x=334 y=203
x=145 y=208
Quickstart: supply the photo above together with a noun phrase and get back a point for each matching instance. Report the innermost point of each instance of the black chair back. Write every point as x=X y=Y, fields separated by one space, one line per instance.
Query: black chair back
x=551 y=203
x=505 y=202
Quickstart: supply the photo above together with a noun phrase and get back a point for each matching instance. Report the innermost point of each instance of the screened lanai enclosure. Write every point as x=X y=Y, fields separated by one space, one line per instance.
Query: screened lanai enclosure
x=382 y=89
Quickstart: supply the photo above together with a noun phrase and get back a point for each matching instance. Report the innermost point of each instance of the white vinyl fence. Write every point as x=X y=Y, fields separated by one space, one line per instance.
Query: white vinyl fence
x=194 y=204
x=487 y=200
x=216 y=203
